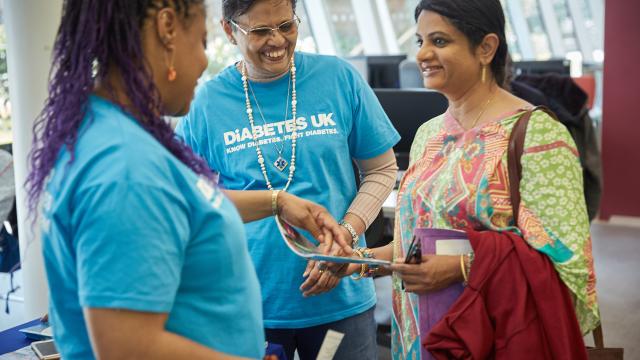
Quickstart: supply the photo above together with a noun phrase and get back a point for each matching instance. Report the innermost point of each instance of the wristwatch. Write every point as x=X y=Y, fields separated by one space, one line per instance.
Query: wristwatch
x=352 y=231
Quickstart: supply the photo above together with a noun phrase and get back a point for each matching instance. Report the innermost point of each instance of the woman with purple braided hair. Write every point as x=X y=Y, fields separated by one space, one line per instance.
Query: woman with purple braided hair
x=130 y=219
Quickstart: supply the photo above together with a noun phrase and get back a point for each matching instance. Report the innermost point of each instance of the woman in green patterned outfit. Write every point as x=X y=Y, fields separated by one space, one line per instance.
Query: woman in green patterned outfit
x=458 y=178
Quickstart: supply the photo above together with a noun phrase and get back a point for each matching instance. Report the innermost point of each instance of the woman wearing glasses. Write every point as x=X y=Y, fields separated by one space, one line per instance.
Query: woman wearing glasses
x=293 y=122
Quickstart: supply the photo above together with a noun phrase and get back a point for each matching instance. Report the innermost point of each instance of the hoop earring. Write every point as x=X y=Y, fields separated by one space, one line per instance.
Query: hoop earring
x=483 y=76
x=171 y=72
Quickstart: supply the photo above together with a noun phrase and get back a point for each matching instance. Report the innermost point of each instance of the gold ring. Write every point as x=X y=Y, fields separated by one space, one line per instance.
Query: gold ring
x=321 y=271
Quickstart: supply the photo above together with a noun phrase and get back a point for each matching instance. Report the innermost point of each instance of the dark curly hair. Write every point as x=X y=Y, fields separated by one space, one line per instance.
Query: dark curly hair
x=94 y=35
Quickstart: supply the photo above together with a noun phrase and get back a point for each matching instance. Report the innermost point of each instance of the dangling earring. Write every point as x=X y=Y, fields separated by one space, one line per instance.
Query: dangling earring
x=171 y=72
x=483 y=77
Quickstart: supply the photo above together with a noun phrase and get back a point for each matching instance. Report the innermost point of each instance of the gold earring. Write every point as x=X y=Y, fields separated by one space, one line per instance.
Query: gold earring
x=171 y=72
x=483 y=77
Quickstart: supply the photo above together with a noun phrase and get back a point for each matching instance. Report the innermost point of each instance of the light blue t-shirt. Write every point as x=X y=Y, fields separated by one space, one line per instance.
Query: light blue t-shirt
x=127 y=226
x=338 y=118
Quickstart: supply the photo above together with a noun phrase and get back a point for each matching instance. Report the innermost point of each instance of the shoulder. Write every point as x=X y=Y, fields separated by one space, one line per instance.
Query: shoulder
x=113 y=145
x=328 y=64
x=425 y=132
x=320 y=59
x=217 y=83
x=431 y=127
x=544 y=129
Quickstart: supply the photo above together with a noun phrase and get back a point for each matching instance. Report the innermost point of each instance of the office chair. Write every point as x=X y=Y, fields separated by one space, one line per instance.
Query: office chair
x=410 y=77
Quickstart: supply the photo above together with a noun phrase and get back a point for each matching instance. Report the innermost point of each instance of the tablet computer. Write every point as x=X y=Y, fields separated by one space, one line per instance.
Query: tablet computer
x=45 y=350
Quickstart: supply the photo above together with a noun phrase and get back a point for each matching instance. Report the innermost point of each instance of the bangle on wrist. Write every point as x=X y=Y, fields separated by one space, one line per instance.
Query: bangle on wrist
x=274 y=201
x=352 y=232
x=371 y=269
x=363 y=269
x=463 y=268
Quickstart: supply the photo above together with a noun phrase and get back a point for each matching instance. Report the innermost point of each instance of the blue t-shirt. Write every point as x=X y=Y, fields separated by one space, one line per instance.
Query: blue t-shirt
x=127 y=226
x=338 y=118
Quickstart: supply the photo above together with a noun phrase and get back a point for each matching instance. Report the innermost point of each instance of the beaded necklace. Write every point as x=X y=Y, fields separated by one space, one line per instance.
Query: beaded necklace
x=280 y=161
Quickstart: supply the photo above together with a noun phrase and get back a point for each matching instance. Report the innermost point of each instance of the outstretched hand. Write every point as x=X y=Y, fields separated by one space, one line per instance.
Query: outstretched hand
x=315 y=219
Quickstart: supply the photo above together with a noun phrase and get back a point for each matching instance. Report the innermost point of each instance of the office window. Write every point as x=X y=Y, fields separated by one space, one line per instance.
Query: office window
x=594 y=32
x=5 y=105
x=537 y=31
x=565 y=23
x=404 y=25
x=342 y=22
x=306 y=41
x=512 y=39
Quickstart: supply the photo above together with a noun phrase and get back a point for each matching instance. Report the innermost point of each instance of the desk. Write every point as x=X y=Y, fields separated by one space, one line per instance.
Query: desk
x=12 y=339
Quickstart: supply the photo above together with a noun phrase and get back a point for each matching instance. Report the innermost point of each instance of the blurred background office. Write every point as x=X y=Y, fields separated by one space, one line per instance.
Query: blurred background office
x=593 y=43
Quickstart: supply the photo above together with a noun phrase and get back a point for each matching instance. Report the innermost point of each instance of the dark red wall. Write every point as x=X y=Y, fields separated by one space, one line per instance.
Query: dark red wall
x=621 y=109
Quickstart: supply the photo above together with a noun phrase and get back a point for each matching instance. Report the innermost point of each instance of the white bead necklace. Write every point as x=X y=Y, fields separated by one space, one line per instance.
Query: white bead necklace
x=294 y=134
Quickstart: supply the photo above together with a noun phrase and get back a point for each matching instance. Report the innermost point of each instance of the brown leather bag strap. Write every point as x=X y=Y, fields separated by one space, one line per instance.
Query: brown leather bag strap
x=598 y=338
x=515 y=150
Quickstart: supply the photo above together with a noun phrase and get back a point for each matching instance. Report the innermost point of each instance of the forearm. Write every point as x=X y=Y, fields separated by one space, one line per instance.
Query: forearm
x=379 y=177
x=126 y=343
x=384 y=253
x=251 y=204
x=167 y=345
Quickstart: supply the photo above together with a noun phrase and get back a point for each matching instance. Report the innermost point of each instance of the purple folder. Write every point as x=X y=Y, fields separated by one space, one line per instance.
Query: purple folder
x=433 y=306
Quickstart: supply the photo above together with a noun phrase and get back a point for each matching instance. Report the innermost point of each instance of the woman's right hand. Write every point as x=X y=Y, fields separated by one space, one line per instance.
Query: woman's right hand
x=434 y=273
x=315 y=219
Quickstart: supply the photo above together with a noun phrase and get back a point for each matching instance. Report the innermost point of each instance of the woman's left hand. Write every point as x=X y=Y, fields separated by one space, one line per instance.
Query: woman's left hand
x=322 y=276
x=434 y=273
x=319 y=279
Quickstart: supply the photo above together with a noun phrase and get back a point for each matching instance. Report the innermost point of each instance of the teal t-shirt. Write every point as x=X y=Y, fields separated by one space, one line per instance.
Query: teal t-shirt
x=127 y=226
x=338 y=118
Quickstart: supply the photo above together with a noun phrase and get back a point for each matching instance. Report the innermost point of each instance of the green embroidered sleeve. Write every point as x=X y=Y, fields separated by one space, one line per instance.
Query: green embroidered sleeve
x=553 y=216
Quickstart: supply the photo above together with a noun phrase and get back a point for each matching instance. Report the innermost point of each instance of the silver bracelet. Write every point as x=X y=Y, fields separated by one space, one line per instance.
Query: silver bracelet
x=352 y=231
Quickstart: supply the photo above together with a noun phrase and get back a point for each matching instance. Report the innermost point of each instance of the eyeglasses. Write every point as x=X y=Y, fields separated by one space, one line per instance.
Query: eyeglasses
x=286 y=28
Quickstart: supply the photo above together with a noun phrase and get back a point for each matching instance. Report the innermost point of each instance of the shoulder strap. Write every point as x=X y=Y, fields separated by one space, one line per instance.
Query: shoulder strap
x=516 y=148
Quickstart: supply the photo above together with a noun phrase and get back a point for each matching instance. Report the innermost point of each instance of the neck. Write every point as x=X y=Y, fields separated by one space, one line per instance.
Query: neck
x=468 y=103
x=257 y=76
x=112 y=88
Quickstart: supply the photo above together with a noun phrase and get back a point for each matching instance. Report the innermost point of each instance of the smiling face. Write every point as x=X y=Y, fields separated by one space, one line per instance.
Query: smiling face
x=445 y=57
x=266 y=54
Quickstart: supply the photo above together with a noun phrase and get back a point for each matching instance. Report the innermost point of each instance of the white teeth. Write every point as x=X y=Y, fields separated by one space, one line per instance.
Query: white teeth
x=431 y=69
x=274 y=54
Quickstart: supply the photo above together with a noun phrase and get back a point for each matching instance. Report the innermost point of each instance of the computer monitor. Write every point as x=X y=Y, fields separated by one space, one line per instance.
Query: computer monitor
x=408 y=109
x=382 y=71
x=558 y=66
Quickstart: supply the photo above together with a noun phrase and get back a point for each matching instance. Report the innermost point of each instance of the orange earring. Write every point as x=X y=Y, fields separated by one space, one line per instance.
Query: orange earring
x=171 y=72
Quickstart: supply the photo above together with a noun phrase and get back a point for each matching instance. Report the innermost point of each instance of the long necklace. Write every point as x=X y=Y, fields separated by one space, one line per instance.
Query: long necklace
x=280 y=163
x=294 y=134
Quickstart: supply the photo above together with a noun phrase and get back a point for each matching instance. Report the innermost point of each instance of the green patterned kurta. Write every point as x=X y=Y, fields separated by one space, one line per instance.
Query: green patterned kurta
x=458 y=179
